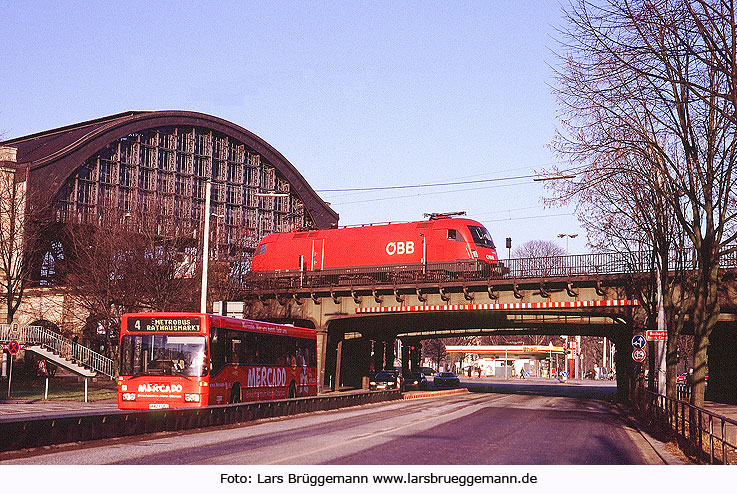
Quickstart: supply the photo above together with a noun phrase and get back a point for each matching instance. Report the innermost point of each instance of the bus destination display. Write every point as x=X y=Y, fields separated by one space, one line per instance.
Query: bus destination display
x=164 y=324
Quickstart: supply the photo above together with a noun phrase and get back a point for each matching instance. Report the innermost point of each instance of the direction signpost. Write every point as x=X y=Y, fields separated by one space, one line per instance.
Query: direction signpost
x=656 y=335
x=638 y=348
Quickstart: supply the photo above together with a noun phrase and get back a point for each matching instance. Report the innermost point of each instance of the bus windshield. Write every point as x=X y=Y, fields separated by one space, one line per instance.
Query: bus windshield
x=163 y=355
x=481 y=236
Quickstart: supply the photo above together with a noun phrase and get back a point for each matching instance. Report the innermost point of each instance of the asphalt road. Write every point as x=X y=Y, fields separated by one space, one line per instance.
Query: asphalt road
x=470 y=428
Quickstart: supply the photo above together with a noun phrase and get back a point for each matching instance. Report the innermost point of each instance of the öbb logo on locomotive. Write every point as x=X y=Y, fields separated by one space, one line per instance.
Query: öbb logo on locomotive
x=400 y=248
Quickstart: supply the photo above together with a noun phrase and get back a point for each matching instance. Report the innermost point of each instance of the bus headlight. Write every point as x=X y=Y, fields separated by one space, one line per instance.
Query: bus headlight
x=194 y=397
x=129 y=396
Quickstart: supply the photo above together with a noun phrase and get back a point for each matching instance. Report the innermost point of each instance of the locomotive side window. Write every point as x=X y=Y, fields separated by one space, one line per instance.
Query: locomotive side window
x=454 y=235
x=481 y=236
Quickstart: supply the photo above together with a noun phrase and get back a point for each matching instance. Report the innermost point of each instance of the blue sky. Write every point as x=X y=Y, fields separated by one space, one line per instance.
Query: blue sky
x=354 y=94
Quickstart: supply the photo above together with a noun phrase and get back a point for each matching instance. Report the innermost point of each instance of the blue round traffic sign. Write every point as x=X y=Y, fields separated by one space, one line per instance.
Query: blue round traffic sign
x=639 y=341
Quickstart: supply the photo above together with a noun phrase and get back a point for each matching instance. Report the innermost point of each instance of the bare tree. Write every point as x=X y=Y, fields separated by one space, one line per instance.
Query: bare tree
x=641 y=100
x=538 y=248
x=434 y=349
x=539 y=258
x=125 y=264
x=21 y=227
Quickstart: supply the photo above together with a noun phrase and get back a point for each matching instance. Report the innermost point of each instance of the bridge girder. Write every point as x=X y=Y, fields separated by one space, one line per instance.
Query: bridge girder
x=335 y=312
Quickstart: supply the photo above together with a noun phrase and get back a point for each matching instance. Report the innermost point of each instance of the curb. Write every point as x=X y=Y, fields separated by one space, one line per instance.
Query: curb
x=658 y=446
x=418 y=395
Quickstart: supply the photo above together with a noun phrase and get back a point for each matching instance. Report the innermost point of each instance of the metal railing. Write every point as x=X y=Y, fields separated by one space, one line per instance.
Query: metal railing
x=470 y=270
x=373 y=275
x=702 y=434
x=64 y=347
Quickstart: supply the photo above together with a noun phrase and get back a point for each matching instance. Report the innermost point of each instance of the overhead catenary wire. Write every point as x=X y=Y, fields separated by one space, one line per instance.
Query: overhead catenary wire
x=422 y=194
x=417 y=186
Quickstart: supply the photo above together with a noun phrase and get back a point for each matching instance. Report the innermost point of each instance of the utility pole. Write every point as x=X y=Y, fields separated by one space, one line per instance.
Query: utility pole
x=661 y=346
x=205 y=248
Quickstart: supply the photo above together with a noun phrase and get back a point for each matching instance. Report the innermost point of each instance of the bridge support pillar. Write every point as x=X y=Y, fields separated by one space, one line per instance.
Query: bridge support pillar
x=389 y=354
x=338 y=357
x=626 y=377
x=322 y=340
x=333 y=347
x=722 y=364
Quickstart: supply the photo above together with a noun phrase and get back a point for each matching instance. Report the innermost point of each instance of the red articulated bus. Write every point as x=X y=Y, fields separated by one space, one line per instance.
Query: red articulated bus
x=441 y=243
x=178 y=360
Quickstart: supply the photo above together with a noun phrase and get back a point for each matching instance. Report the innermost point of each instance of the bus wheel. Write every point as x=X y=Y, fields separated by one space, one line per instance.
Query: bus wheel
x=235 y=393
x=292 y=389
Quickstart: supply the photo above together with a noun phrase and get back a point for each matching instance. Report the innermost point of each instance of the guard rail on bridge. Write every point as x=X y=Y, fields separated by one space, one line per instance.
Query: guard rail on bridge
x=60 y=346
x=585 y=265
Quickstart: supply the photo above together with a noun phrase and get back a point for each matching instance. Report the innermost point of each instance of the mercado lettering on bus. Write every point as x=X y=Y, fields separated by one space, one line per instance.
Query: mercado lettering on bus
x=159 y=388
x=266 y=376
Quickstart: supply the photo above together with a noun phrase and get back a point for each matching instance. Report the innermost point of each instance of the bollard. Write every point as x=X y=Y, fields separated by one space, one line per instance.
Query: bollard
x=46 y=391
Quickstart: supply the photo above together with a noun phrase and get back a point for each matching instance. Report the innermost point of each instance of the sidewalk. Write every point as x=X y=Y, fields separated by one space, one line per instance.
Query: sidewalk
x=728 y=411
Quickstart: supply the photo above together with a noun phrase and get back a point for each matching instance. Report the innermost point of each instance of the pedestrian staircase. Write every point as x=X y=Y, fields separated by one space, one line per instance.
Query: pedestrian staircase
x=60 y=350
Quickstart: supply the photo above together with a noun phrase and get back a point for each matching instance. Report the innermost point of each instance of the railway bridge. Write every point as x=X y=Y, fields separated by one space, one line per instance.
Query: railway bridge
x=358 y=319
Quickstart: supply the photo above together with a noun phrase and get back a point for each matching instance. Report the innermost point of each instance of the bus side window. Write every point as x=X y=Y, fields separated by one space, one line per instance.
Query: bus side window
x=249 y=348
x=217 y=350
x=237 y=351
x=307 y=354
x=229 y=345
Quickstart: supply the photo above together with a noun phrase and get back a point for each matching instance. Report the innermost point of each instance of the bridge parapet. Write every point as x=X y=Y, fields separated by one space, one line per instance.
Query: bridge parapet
x=554 y=269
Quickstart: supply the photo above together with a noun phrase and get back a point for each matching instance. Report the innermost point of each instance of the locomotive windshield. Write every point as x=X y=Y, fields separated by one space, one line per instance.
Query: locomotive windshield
x=481 y=236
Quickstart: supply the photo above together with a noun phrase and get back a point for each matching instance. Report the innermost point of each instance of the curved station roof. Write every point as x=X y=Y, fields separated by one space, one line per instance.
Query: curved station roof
x=128 y=161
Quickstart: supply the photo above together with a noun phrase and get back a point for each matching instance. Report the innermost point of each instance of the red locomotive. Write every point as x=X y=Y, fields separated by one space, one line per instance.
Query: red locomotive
x=387 y=252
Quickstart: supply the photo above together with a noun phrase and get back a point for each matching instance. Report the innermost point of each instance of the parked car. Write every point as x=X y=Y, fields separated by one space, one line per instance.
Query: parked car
x=428 y=371
x=386 y=380
x=415 y=380
x=446 y=380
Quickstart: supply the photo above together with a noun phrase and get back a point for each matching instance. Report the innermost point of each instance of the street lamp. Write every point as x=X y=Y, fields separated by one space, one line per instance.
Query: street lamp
x=567 y=236
x=555 y=176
